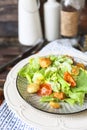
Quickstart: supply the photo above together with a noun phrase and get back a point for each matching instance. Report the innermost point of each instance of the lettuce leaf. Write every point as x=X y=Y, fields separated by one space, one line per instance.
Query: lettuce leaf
x=78 y=97
x=81 y=82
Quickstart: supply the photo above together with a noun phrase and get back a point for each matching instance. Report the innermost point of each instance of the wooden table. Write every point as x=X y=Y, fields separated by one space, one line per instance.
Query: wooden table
x=9 y=49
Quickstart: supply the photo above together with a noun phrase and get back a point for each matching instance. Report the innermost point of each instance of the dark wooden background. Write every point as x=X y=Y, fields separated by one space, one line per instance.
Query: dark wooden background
x=8 y=18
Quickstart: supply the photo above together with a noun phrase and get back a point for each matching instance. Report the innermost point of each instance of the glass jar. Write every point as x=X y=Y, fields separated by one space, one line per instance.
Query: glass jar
x=70 y=17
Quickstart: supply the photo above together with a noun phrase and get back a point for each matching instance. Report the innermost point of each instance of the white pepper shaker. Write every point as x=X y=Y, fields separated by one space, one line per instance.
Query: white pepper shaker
x=52 y=20
x=29 y=25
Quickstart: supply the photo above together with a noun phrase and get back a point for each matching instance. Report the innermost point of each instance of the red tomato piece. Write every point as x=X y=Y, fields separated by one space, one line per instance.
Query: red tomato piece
x=68 y=77
x=45 y=90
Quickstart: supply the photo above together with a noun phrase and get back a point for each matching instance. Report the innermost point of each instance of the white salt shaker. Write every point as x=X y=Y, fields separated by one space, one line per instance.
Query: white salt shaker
x=52 y=20
x=29 y=25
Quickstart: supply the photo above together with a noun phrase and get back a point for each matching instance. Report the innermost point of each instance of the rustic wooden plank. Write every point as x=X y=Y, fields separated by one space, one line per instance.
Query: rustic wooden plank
x=8 y=42
x=8 y=13
x=8 y=29
x=10 y=2
x=1 y=96
x=8 y=9
x=4 y=18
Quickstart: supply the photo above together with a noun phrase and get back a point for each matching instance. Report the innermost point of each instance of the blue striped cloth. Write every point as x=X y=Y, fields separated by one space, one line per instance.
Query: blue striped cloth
x=10 y=121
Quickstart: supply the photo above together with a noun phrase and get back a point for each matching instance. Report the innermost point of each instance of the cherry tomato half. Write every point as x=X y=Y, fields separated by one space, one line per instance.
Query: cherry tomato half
x=68 y=77
x=45 y=90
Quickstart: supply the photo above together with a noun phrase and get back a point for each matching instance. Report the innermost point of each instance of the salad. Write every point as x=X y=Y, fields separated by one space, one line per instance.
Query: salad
x=56 y=79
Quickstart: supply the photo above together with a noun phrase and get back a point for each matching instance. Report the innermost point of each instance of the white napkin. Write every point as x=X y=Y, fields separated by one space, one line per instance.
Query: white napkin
x=64 y=46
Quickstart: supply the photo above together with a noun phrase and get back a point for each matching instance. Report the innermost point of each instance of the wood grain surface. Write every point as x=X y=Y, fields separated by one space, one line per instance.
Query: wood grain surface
x=9 y=49
x=8 y=18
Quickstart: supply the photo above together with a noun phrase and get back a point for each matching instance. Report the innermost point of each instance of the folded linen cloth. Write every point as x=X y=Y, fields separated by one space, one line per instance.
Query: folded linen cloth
x=9 y=120
x=64 y=46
